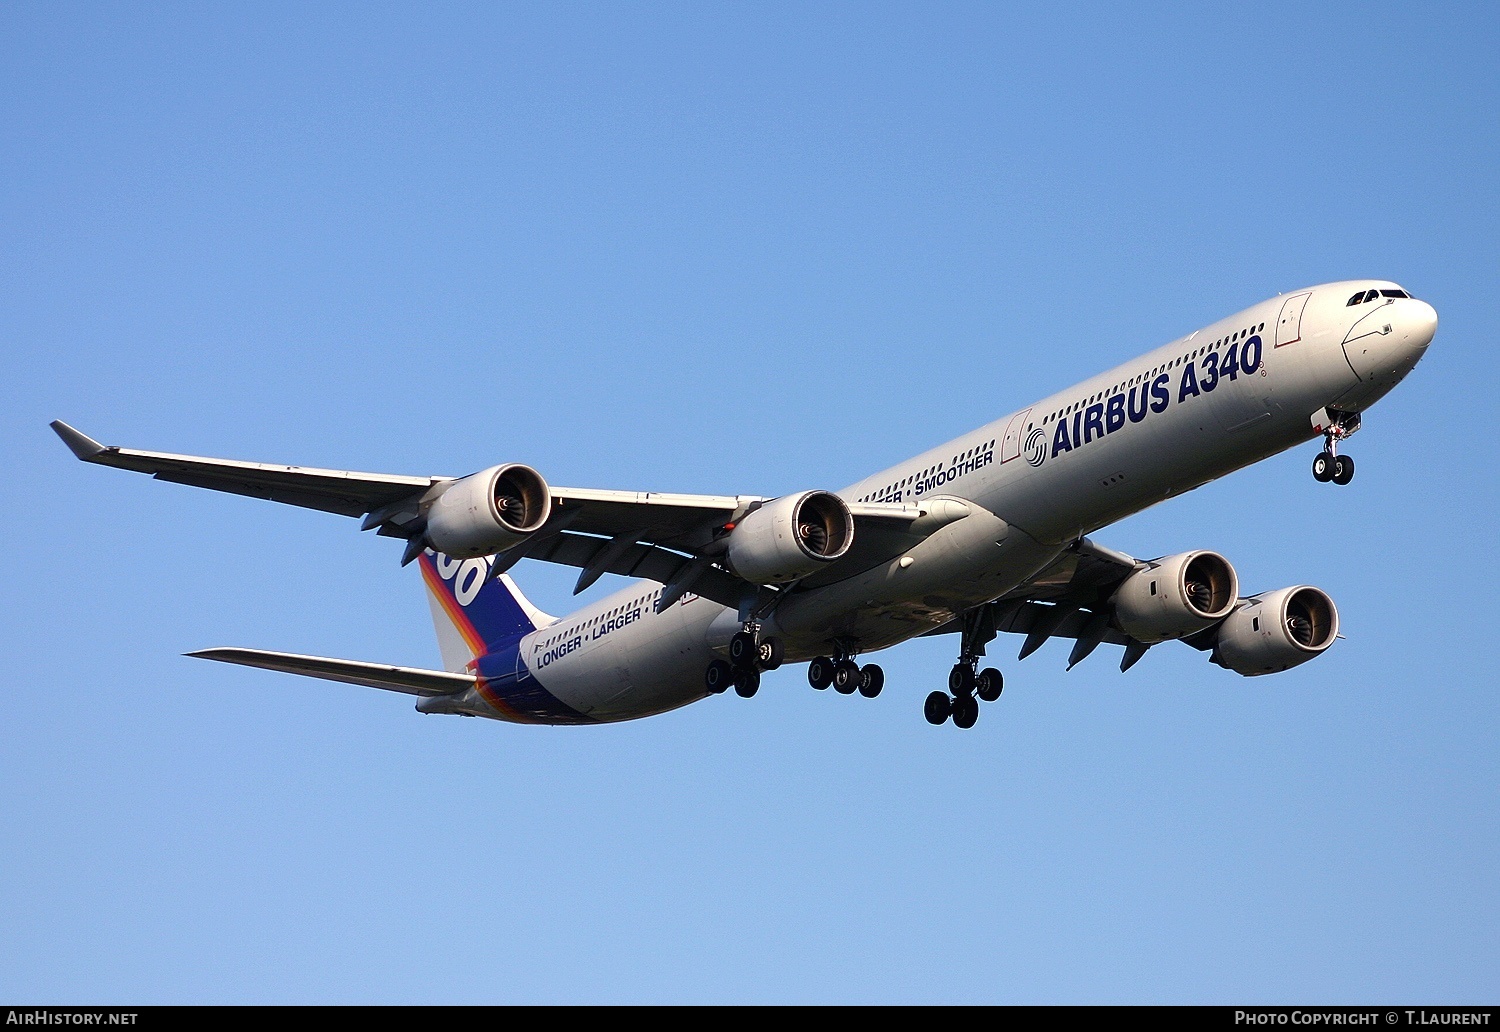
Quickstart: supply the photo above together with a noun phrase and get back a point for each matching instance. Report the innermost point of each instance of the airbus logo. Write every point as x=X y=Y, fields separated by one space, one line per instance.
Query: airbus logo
x=1036 y=447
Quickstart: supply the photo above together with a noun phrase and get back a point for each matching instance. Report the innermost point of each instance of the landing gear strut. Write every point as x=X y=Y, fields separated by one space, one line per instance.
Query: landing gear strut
x=845 y=675
x=1329 y=464
x=965 y=680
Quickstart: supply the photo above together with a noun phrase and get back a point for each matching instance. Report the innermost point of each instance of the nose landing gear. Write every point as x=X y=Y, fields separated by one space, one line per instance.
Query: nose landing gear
x=1329 y=464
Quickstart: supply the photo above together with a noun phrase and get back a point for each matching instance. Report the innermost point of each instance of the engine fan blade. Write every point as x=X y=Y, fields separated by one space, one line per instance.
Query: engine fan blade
x=814 y=536
x=1301 y=630
x=1200 y=593
x=512 y=509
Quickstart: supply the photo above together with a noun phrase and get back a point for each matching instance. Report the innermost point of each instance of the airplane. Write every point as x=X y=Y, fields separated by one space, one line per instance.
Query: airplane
x=987 y=533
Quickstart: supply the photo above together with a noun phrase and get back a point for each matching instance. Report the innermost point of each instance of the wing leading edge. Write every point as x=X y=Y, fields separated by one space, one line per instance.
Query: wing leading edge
x=664 y=537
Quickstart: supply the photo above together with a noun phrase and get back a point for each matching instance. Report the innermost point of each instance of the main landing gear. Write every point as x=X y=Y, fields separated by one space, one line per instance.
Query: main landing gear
x=845 y=675
x=1329 y=464
x=965 y=689
x=749 y=654
x=966 y=683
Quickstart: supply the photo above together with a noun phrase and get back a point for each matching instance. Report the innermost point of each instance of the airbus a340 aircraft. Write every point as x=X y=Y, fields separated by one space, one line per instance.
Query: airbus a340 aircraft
x=980 y=535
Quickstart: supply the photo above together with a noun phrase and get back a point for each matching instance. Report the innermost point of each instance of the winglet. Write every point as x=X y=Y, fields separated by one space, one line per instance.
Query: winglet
x=82 y=445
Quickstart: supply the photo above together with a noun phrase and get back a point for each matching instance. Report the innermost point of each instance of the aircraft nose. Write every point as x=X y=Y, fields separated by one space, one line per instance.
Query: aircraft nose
x=1418 y=323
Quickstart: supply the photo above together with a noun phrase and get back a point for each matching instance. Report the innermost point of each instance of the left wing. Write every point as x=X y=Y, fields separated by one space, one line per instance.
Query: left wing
x=1070 y=598
x=1067 y=599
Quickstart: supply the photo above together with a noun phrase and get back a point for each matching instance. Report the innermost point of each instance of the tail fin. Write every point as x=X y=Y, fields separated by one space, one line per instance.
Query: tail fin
x=473 y=614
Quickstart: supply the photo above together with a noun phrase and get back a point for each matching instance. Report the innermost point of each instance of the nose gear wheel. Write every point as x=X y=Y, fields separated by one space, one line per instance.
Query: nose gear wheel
x=1329 y=465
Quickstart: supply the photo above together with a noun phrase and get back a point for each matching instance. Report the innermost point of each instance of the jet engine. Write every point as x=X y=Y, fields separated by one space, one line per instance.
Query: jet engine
x=1176 y=596
x=1276 y=631
x=791 y=537
x=489 y=511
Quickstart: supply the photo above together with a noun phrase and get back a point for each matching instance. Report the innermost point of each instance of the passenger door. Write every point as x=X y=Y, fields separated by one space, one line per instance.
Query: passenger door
x=1289 y=325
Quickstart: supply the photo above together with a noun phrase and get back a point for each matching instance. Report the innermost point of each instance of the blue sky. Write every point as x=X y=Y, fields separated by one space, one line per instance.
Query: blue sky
x=725 y=249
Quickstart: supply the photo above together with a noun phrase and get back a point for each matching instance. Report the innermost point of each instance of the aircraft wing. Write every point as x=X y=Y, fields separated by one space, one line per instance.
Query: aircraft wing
x=680 y=520
x=1067 y=599
x=1085 y=573
x=638 y=533
x=657 y=517
x=331 y=490
x=407 y=680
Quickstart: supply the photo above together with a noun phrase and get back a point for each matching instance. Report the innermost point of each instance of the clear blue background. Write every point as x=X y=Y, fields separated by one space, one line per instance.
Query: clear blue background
x=721 y=248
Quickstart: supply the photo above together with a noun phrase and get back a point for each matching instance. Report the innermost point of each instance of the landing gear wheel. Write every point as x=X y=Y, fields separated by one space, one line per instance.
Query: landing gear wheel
x=991 y=684
x=937 y=708
x=871 y=680
x=965 y=711
x=747 y=683
x=742 y=650
x=820 y=672
x=1343 y=469
x=718 y=676
x=846 y=677
x=1323 y=467
x=768 y=654
x=961 y=679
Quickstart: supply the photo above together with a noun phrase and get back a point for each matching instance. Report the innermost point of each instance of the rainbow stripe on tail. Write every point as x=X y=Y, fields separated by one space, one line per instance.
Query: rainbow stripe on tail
x=473 y=614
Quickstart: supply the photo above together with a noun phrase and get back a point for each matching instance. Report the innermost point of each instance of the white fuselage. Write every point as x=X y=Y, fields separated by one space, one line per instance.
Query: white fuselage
x=1034 y=482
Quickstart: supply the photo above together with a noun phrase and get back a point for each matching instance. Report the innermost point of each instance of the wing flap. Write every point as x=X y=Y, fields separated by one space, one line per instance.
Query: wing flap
x=641 y=560
x=688 y=521
x=684 y=521
x=407 y=680
x=1023 y=618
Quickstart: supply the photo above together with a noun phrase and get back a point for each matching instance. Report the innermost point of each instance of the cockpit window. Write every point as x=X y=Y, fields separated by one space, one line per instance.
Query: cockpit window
x=1373 y=295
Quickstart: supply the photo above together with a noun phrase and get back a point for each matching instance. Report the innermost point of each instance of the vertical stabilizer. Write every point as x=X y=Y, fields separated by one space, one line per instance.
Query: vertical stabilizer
x=473 y=614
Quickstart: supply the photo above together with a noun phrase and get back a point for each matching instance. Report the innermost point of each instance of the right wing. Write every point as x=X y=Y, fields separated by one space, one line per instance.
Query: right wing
x=331 y=490
x=676 y=539
x=407 y=680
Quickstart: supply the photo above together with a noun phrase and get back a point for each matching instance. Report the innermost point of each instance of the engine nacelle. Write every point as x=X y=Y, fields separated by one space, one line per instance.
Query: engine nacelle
x=791 y=537
x=1276 y=630
x=488 y=511
x=1175 y=596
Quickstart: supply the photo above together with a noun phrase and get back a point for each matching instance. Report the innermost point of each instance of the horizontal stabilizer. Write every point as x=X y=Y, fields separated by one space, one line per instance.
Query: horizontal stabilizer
x=408 y=680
